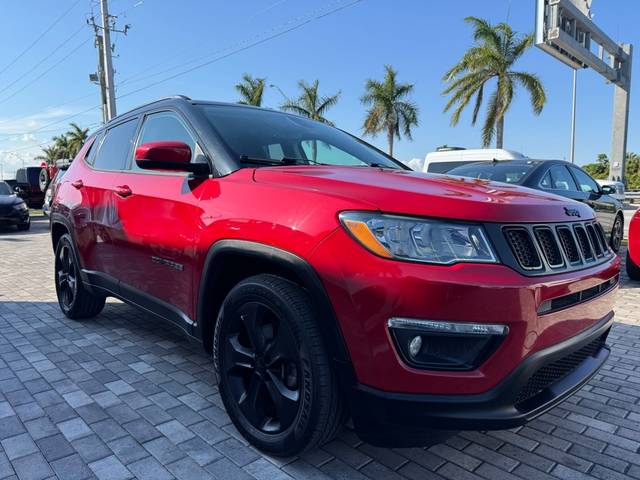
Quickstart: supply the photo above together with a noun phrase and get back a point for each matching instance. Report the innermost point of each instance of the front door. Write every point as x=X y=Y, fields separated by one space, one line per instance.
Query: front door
x=159 y=217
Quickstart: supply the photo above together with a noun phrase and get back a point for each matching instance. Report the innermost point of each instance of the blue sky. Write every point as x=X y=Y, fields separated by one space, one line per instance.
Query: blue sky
x=420 y=38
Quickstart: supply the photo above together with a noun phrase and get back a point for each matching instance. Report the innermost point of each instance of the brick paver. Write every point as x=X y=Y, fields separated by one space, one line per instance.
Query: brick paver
x=124 y=396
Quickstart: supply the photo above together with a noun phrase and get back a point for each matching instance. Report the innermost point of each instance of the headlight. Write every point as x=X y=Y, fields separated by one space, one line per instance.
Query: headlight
x=22 y=206
x=421 y=240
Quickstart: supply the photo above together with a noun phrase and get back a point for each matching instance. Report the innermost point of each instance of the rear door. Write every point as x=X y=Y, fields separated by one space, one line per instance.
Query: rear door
x=98 y=183
x=160 y=221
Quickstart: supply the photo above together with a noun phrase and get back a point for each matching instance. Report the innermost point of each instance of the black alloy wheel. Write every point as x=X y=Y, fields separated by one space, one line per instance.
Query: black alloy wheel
x=274 y=374
x=75 y=300
x=617 y=233
x=66 y=277
x=262 y=367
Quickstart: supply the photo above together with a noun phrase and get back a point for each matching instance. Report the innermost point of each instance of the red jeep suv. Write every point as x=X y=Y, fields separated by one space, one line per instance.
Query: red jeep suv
x=327 y=280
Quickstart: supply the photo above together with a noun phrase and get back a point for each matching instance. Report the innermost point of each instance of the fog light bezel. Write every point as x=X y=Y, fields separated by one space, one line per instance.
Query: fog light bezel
x=488 y=338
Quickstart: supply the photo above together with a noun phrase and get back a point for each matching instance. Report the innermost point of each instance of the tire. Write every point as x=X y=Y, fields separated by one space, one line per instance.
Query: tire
x=616 y=234
x=75 y=301
x=263 y=318
x=23 y=227
x=633 y=270
x=43 y=179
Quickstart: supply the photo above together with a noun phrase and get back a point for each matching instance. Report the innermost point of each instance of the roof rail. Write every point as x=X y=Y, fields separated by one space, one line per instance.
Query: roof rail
x=170 y=97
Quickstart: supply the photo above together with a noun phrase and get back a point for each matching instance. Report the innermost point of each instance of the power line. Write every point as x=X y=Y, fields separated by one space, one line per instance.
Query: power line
x=44 y=59
x=28 y=84
x=35 y=42
x=246 y=47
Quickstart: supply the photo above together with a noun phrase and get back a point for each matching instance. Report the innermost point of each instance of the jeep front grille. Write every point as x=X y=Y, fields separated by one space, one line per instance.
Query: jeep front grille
x=556 y=248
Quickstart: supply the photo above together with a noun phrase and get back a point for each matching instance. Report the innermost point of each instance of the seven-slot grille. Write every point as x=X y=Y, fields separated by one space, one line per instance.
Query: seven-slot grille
x=556 y=248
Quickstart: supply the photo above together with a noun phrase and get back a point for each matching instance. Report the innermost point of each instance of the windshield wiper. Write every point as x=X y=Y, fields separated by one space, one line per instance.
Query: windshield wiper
x=281 y=161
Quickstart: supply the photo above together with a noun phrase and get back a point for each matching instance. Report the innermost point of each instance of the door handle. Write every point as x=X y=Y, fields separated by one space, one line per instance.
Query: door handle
x=77 y=184
x=123 y=191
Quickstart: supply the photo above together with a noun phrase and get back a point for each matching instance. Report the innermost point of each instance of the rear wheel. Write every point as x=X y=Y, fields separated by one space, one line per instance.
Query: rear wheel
x=633 y=270
x=616 y=234
x=274 y=373
x=75 y=301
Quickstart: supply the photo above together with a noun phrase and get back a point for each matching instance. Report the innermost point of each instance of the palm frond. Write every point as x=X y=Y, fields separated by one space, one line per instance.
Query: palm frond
x=534 y=86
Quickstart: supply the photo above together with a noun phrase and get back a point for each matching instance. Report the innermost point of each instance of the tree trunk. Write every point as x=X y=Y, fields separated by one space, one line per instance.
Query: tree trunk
x=500 y=132
x=390 y=141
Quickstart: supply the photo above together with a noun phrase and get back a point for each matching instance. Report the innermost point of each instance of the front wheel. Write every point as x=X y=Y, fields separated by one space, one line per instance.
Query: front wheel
x=616 y=234
x=274 y=374
x=633 y=270
x=75 y=301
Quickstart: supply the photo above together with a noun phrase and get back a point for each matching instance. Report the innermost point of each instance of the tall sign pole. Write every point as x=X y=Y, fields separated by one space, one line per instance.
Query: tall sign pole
x=565 y=30
x=572 y=150
x=621 y=120
x=107 y=61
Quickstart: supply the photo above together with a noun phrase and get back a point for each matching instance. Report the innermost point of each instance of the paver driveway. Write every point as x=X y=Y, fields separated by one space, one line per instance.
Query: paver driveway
x=122 y=396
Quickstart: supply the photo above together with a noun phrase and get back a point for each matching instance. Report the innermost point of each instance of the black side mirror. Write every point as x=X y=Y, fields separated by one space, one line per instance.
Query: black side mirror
x=17 y=190
x=607 y=190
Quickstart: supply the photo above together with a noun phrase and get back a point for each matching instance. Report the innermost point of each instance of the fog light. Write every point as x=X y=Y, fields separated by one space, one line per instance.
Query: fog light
x=415 y=345
x=438 y=345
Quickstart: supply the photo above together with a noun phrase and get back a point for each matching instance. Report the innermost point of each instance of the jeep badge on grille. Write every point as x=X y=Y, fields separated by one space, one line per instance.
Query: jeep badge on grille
x=572 y=212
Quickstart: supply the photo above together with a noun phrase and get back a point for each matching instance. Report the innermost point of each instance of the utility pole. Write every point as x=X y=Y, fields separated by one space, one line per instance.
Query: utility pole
x=107 y=62
x=104 y=74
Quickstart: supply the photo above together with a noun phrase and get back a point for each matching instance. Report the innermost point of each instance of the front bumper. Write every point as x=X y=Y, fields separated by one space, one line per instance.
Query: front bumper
x=544 y=379
x=14 y=217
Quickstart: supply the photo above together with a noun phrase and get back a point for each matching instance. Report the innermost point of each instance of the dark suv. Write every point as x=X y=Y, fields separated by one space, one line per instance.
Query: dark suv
x=327 y=280
x=28 y=186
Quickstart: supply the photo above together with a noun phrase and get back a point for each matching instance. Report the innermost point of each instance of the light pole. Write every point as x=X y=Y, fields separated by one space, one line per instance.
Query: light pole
x=572 y=149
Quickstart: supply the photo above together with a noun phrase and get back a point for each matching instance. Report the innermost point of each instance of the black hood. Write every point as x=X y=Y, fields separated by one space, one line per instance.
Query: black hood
x=9 y=199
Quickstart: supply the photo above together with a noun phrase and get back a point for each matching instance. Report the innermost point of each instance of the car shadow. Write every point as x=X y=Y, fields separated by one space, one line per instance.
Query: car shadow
x=39 y=226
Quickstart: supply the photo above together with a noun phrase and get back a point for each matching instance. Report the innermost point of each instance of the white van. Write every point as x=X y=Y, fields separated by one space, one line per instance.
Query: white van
x=444 y=159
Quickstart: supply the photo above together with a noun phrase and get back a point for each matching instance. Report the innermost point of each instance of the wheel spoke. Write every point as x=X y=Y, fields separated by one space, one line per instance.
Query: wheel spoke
x=249 y=403
x=284 y=400
x=281 y=347
x=238 y=355
x=252 y=317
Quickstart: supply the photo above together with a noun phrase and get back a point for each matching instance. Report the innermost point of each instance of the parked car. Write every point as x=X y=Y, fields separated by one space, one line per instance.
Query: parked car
x=56 y=172
x=13 y=210
x=633 y=252
x=327 y=280
x=446 y=158
x=28 y=186
x=561 y=178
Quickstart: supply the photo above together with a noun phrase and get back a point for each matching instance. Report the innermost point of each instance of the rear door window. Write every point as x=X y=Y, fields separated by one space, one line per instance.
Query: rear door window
x=115 y=150
x=561 y=179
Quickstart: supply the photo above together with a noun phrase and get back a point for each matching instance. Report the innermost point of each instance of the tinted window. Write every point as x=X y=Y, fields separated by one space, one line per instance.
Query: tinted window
x=116 y=147
x=166 y=127
x=546 y=181
x=561 y=179
x=252 y=133
x=444 y=167
x=585 y=182
x=498 y=172
x=90 y=156
x=5 y=189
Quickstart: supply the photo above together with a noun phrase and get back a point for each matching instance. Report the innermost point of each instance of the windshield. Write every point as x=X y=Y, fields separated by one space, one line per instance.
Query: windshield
x=495 y=171
x=5 y=189
x=253 y=134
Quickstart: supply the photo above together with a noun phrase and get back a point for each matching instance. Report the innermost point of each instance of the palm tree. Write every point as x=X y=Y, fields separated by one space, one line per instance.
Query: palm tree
x=76 y=138
x=49 y=154
x=251 y=90
x=390 y=111
x=61 y=143
x=496 y=50
x=312 y=105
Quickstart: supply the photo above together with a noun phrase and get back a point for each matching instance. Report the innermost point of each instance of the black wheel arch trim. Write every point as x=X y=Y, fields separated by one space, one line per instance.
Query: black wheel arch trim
x=310 y=280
